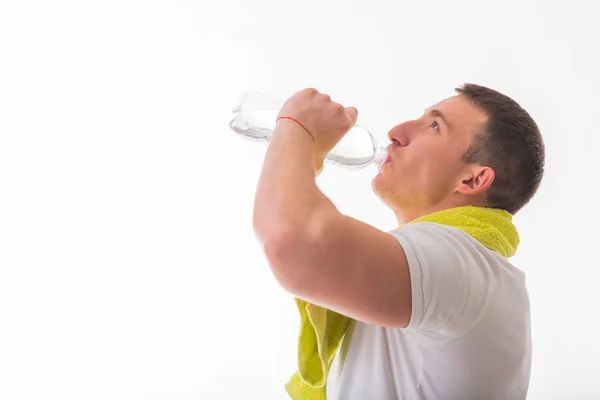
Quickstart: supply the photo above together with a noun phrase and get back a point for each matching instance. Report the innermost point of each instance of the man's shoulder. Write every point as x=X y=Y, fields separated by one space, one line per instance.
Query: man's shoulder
x=430 y=241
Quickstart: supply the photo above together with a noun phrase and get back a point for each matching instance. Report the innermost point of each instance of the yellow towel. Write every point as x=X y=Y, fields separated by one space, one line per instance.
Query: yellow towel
x=322 y=330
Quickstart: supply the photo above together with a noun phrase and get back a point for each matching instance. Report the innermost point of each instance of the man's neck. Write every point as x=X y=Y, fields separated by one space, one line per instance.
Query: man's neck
x=405 y=215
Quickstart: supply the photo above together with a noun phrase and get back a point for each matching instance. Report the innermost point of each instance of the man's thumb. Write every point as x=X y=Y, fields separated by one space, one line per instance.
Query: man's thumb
x=352 y=112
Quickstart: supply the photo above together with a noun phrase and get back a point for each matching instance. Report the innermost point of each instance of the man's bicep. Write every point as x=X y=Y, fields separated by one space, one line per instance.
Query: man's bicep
x=349 y=267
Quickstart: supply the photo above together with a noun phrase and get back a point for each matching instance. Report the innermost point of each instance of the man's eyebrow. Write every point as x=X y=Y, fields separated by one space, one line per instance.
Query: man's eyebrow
x=437 y=113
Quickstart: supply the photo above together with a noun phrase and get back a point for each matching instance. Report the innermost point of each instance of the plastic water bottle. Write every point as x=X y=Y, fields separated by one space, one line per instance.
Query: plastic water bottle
x=254 y=117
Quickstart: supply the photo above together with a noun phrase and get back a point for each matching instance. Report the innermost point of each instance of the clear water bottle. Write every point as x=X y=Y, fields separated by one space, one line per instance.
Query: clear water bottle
x=254 y=117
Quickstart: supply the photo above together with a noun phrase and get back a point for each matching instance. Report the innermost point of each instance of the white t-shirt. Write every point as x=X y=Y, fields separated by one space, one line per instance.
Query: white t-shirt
x=469 y=336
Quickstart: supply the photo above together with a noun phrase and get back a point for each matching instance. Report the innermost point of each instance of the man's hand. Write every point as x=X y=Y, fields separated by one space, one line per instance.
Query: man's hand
x=326 y=120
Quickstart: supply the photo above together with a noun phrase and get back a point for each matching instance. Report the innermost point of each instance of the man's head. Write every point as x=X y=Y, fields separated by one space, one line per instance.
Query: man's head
x=477 y=148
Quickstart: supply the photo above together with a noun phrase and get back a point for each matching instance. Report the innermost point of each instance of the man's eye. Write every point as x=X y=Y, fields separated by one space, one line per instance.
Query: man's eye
x=435 y=125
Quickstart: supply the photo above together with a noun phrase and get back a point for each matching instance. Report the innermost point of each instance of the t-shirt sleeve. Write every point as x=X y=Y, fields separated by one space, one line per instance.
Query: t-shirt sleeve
x=450 y=278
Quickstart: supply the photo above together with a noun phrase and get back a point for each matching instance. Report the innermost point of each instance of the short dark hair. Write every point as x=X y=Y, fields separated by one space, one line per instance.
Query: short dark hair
x=510 y=143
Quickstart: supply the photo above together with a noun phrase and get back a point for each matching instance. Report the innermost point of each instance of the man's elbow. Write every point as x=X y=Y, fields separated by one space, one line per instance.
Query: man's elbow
x=292 y=249
x=284 y=253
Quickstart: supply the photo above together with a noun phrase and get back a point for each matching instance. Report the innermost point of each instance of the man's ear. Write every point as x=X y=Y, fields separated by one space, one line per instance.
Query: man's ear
x=477 y=181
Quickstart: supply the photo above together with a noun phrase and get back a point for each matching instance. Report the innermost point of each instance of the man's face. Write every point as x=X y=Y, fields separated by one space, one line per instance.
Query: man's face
x=426 y=154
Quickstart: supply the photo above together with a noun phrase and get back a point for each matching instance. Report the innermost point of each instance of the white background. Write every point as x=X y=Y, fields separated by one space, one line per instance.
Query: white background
x=128 y=264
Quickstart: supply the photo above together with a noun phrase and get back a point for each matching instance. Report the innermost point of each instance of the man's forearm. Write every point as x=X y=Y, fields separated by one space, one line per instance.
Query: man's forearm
x=287 y=197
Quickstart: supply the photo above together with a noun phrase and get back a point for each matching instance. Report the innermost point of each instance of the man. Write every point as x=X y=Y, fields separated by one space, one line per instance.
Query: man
x=438 y=315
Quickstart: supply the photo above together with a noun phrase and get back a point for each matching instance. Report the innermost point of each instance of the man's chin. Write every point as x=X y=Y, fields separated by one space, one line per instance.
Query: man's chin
x=379 y=189
x=378 y=184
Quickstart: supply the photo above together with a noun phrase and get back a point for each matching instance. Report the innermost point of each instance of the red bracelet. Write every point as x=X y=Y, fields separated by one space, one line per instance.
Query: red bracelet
x=296 y=121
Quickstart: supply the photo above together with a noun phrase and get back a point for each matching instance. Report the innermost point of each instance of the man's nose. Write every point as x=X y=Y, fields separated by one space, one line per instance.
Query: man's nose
x=400 y=134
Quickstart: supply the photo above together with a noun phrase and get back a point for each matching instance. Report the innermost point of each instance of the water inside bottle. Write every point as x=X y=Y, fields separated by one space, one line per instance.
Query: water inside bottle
x=254 y=124
x=255 y=116
x=357 y=149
